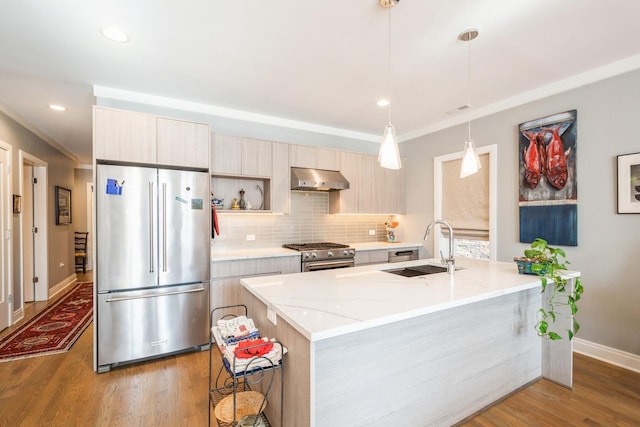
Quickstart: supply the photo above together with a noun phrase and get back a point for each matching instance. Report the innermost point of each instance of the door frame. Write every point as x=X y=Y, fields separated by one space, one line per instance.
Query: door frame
x=6 y=235
x=90 y=227
x=439 y=241
x=40 y=213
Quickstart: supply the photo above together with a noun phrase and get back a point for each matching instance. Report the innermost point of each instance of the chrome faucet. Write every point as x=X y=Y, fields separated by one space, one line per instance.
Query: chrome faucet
x=450 y=262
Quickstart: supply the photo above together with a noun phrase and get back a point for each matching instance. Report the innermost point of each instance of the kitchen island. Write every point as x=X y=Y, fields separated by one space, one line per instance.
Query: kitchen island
x=370 y=348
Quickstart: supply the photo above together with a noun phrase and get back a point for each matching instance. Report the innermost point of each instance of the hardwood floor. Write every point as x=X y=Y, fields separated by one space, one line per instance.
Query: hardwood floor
x=63 y=390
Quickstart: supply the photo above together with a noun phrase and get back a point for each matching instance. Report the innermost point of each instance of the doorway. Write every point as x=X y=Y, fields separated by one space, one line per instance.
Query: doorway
x=33 y=229
x=5 y=226
x=90 y=226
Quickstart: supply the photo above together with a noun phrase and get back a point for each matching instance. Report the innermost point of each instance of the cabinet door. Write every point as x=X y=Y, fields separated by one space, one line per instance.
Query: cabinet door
x=280 y=178
x=183 y=143
x=256 y=157
x=225 y=277
x=302 y=156
x=327 y=159
x=390 y=191
x=124 y=136
x=346 y=201
x=226 y=155
x=372 y=257
x=365 y=184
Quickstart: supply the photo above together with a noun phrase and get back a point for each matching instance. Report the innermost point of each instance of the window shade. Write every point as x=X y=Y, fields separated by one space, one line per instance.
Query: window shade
x=465 y=201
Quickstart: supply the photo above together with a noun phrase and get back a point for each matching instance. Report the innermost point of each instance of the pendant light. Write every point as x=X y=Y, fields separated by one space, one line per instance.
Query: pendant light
x=470 y=160
x=389 y=155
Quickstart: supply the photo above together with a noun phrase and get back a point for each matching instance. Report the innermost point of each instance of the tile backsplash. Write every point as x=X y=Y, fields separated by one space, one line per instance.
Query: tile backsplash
x=309 y=221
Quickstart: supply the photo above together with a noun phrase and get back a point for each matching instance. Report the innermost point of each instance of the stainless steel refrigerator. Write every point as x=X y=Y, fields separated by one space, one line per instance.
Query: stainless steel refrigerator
x=152 y=270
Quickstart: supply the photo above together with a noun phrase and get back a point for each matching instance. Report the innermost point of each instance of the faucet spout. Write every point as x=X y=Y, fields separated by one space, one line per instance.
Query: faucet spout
x=450 y=262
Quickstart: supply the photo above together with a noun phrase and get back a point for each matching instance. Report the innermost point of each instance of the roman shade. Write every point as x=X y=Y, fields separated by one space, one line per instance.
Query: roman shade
x=465 y=201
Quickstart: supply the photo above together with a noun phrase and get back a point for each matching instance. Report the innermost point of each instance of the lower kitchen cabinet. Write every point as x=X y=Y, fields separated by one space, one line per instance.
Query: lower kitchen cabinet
x=226 y=275
x=381 y=256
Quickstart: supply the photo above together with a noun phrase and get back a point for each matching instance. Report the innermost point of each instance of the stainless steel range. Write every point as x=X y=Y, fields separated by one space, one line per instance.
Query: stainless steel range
x=323 y=255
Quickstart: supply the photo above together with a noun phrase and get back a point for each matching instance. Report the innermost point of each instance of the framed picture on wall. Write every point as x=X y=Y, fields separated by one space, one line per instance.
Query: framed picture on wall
x=629 y=183
x=63 y=205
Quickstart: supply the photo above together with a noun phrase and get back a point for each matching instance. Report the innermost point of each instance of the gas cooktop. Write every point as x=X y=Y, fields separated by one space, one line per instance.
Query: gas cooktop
x=314 y=246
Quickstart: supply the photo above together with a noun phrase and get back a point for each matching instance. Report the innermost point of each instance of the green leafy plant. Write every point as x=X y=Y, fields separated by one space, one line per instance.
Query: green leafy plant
x=549 y=263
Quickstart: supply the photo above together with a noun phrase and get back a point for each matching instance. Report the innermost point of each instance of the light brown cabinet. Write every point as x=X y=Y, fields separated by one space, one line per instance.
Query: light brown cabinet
x=390 y=190
x=124 y=136
x=226 y=275
x=143 y=138
x=182 y=143
x=303 y=156
x=236 y=156
x=280 y=190
x=245 y=163
x=373 y=189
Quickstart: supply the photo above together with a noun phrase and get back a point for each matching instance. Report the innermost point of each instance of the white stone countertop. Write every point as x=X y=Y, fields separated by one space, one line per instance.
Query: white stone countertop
x=222 y=254
x=373 y=246
x=219 y=255
x=329 y=303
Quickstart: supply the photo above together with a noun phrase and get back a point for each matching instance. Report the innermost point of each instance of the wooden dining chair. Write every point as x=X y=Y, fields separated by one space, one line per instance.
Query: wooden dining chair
x=81 y=250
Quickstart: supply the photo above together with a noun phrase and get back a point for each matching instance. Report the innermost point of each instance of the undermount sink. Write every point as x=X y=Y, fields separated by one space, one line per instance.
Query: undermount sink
x=418 y=270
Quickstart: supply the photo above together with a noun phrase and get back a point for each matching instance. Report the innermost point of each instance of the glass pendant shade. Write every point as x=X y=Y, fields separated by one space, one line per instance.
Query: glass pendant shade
x=470 y=160
x=389 y=155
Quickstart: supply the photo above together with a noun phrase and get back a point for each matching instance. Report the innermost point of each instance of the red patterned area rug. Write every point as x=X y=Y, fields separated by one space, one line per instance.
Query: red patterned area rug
x=55 y=329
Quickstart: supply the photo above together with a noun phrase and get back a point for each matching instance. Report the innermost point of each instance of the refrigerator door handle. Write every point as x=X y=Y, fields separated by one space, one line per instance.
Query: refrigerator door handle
x=164 y=226
x=151 y=263
x=153 y=295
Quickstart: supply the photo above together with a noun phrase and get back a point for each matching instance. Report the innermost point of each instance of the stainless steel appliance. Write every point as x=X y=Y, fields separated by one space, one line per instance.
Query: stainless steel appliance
x=152 y=269
x=403 y=255
x=323 y=255
x=306 y=179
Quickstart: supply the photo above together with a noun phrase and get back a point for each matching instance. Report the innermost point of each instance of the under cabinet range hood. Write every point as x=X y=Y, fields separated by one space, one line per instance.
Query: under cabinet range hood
x=306 y=179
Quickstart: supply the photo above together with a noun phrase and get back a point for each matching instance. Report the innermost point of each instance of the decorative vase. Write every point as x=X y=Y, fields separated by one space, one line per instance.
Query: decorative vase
x=242 y=203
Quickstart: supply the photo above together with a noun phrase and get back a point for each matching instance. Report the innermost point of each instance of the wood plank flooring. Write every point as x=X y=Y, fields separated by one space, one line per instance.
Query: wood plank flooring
x=63 y=390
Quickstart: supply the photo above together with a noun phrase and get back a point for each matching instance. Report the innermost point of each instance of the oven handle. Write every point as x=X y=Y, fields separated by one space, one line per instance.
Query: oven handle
x=328 y=265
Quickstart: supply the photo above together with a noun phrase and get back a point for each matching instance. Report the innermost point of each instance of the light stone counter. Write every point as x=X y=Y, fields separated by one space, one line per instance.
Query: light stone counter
x=330 y=303
x=218 y=255
x=375 y=246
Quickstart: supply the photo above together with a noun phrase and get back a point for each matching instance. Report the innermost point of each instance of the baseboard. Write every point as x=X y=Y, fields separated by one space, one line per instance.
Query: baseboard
x=61 y=286
x=607 y=354
x=17 y=316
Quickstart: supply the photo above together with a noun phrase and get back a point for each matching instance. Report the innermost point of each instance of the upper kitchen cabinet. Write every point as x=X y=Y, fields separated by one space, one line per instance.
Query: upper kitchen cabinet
x=280 y=186
x=183 y=143
x=373 y=189
x=124 y=136
x=256 y=157
x=303 y=156
x=328 y=159
x=346 y=201
x=390 y=190
x=231 y=155
x=143 y=138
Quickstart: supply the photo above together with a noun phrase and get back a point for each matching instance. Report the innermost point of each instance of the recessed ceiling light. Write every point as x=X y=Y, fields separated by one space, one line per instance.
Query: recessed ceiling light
x=382 y=102
x=57 y=107
x=115 y=34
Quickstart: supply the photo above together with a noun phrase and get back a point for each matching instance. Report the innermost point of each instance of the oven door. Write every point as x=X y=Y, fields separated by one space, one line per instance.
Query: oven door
x=327 y=265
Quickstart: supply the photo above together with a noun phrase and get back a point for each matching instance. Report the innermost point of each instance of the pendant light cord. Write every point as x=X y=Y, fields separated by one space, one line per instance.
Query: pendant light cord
x=469 y=84
x=389 y=64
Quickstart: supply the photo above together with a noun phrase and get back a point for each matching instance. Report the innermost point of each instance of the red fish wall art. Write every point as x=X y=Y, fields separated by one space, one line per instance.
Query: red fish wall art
x=547 y=174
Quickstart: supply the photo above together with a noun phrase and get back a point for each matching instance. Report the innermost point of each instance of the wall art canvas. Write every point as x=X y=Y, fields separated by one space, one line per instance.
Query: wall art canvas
x=548 y=199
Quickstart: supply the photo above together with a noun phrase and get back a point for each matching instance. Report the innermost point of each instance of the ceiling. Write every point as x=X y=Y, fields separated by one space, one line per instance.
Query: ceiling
x=315 y=63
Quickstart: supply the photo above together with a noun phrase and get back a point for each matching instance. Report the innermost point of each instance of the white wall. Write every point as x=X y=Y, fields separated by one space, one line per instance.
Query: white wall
x=608 y=243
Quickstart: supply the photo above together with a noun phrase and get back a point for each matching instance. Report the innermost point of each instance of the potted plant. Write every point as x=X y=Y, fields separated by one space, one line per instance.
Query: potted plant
x=548 y=263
